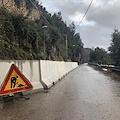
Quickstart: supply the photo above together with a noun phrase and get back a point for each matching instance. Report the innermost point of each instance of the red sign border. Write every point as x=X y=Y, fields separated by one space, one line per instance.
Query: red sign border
x=28 y=87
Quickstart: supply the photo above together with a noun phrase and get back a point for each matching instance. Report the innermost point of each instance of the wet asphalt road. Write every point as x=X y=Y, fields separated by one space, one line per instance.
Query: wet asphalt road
x=84 y=94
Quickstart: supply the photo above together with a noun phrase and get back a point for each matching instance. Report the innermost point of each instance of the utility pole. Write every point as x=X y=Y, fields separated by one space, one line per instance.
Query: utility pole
x=44 y=42
x=66 y=47
x=74 y=52
x=44 y=48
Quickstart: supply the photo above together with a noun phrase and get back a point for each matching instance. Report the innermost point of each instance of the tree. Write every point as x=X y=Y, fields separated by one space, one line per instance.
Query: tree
x=24 y=38
x=99 y=55
x=115 y=47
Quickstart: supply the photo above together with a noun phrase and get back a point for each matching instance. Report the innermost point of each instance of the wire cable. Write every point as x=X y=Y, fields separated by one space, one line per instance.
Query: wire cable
x=84 y=14
x=40 y=13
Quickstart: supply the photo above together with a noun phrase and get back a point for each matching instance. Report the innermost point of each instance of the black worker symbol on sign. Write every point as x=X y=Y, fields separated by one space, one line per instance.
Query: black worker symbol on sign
x=14 y=83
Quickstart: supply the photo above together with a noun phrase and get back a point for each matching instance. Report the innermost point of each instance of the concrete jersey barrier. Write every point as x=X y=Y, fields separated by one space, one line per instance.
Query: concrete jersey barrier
x=30 y=69
x=42 y=74
x=52 y=71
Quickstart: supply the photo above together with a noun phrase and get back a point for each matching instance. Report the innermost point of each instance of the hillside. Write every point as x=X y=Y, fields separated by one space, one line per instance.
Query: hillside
x=26 y=33
x=21 y=7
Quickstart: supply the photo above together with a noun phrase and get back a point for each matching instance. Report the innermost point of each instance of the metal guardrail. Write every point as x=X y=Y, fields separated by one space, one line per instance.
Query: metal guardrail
x=109 y=67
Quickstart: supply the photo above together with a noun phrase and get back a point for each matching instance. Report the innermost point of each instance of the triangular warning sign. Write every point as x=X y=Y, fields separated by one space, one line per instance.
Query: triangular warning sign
x=14 y=82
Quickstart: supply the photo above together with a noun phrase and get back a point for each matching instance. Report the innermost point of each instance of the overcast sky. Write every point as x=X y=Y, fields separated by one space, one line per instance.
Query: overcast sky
x=96 y=29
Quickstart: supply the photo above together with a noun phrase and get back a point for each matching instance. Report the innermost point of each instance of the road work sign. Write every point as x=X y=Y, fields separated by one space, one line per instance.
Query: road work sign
x=14 y=82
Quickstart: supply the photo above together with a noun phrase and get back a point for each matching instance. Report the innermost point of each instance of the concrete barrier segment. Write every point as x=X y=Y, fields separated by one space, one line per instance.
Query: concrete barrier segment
x=52 y=71
x=29 y=68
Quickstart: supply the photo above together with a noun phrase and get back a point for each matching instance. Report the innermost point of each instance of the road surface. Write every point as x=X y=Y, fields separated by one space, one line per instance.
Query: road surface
x=84 y=94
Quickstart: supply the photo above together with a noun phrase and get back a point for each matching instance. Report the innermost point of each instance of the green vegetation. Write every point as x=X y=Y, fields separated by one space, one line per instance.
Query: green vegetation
x=22 y=38
x=99 y=55
x=115 y=47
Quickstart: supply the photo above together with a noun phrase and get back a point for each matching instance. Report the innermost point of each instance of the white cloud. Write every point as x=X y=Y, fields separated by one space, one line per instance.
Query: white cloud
x=76 y=17
x=97 y=26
